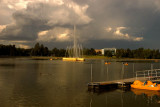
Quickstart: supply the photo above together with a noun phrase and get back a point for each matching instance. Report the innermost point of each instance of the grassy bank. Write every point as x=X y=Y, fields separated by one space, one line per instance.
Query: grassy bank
x=46 y=57
x=95 y=57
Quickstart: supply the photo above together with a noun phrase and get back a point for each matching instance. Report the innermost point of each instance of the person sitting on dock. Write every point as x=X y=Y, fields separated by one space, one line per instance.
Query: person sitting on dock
x=145 y=83
x=156 y=85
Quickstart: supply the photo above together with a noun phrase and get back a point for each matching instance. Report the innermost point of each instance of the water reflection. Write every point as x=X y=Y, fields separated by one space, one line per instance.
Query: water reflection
x=124 y=97
x=7 y=65
x=26 y=90
x=149 y=93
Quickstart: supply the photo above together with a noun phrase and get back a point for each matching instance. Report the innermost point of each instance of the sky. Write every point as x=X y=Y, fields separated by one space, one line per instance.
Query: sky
x=99 y=23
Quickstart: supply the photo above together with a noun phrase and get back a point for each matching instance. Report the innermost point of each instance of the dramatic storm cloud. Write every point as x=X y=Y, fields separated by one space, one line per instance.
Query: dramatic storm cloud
x=100 y=23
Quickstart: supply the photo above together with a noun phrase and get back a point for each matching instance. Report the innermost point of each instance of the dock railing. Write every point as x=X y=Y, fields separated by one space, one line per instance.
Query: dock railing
x=154 y=73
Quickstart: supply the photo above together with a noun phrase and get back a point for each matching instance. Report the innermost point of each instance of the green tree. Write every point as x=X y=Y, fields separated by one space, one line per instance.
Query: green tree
x=108 y=53
x=55 y=52
x=45 y=51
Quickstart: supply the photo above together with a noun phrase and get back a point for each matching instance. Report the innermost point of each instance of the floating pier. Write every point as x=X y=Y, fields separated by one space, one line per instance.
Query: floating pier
x=152 y=75
x=120 y=83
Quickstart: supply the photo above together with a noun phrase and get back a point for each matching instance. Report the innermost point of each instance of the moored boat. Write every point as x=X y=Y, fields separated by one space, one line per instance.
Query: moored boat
x=147 y=85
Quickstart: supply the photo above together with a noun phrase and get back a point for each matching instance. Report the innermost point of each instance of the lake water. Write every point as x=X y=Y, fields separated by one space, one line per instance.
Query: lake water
x=44 y=83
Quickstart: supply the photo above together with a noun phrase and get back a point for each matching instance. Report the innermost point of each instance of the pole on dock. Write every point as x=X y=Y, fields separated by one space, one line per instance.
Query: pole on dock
x=151 y=69
x=123 y=64
x=122 y=72
x=156 y=73
x=133 y=70
x=107 y=71
x=148 y=75
x=122 y=69
x=91 y=74
x=107 y=63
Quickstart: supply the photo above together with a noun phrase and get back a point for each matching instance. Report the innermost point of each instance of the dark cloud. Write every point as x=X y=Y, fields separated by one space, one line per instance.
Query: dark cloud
x=39 y=17
x=113 y=44
x=139 y=17
x=25 y=27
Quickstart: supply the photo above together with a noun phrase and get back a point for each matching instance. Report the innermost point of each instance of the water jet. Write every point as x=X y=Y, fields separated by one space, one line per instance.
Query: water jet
x=75 y=52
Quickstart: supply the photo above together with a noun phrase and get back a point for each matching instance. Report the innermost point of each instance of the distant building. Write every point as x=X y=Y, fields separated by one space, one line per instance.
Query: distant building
x=113 y=51
x=98 y=50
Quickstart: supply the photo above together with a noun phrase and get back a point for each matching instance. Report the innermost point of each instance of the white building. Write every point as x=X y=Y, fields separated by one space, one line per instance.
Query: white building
x=113 y=50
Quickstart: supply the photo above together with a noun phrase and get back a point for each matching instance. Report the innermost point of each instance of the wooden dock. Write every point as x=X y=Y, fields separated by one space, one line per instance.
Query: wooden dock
x=122 y=82
x=152 y=75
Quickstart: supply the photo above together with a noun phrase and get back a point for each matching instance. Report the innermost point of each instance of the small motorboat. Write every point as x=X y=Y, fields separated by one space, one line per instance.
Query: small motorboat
x=147 y=85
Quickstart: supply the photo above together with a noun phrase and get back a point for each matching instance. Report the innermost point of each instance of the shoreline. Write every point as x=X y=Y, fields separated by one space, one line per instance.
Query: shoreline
x=86 y=57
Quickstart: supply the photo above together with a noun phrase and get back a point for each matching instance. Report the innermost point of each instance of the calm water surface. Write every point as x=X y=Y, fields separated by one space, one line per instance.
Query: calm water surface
x=44 y=83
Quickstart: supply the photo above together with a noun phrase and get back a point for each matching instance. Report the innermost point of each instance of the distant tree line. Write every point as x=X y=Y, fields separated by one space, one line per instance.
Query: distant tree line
x=11 y=50
x=37 y=50
x=138 y=53
x=41 y=50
